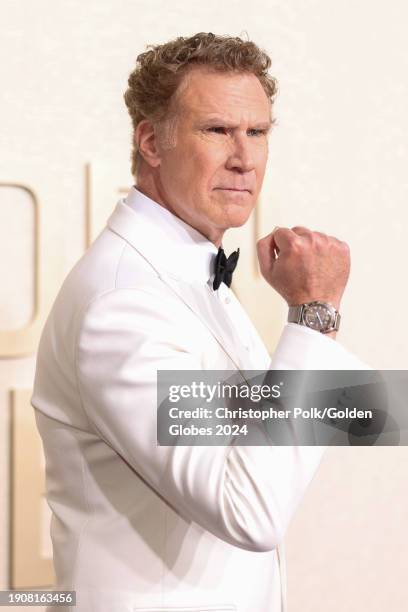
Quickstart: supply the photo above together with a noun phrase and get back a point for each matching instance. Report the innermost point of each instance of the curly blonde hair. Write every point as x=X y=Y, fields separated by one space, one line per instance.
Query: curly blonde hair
x=160 y=70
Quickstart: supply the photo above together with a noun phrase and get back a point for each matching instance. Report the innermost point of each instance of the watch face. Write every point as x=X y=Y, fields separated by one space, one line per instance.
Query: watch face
x=317 y=316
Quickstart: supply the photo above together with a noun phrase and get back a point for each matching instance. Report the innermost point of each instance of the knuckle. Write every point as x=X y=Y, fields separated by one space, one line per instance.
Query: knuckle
x=297 y=245
x=318 y=241
x=343 y=248
x=288 y=236
x=301 y=230
x=262 y=241
x=321 y=237
x=339 y=243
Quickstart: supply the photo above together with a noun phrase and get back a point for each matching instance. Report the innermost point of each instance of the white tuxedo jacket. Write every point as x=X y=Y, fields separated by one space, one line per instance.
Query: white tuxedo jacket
x=136 y=526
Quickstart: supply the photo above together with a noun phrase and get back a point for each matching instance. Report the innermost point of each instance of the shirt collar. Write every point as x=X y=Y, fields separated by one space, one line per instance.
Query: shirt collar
x=181 y=250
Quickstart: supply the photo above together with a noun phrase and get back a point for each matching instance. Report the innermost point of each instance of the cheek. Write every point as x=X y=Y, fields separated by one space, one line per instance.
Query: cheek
x=260 y=153
x=204 y=162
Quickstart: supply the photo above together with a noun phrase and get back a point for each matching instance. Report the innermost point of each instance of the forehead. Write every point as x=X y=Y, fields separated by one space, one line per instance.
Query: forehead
x=203 y=92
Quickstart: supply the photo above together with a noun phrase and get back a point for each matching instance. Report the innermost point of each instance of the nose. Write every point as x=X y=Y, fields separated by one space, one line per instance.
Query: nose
x=240 y=156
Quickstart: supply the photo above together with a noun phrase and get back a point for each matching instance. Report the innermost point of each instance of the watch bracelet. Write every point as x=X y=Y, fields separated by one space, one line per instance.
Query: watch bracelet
x=295 y=316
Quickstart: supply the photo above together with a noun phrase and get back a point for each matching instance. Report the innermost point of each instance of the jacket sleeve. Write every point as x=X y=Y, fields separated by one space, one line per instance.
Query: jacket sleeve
x=245 y=495
x=301 y=348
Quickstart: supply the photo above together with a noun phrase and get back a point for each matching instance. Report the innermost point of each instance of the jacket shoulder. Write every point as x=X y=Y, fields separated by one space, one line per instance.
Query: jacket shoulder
x=110 y=263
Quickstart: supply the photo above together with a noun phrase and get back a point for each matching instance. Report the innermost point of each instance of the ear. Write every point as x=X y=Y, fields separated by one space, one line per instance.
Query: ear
x=146 y=141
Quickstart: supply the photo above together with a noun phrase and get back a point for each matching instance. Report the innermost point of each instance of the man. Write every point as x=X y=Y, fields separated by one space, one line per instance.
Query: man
x=137 y=526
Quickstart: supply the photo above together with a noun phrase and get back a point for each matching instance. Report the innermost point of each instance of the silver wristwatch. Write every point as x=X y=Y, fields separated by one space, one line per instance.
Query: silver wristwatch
x=320 y=316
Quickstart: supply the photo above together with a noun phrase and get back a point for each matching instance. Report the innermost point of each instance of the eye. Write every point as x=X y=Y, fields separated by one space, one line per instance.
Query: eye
x=217 y=129
x=254 y=132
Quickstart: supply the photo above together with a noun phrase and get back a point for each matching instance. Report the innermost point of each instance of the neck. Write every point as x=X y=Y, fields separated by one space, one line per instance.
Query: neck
x=149 y=184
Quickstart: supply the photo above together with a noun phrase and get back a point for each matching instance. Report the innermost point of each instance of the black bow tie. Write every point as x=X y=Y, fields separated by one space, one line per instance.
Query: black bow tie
x=224 y=267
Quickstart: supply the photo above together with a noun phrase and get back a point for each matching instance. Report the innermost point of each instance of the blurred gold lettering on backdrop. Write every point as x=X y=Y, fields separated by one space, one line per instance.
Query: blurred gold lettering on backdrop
x=30 y=565
x=24 y=341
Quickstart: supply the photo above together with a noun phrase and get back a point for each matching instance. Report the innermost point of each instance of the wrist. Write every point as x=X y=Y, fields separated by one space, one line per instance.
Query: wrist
x=334 y=301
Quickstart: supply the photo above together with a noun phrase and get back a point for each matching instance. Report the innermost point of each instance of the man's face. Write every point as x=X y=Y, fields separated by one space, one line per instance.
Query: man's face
x=212 y=175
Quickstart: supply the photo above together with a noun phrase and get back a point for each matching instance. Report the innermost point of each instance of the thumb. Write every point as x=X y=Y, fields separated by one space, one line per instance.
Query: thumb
x=267 y=251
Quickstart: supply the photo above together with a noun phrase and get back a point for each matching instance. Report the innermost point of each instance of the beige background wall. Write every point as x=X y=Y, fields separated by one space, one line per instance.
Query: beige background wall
x=338 y=164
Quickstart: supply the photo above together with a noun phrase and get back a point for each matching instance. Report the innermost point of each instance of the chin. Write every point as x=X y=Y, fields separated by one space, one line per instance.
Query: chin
x=232 y=211
x=237 y=218
x=237 y=222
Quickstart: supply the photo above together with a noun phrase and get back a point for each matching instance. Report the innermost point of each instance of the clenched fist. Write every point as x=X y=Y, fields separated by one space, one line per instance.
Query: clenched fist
x=302 y=265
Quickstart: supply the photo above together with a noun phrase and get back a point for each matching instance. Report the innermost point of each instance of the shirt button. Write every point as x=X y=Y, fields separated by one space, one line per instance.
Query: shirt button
x=227 y=300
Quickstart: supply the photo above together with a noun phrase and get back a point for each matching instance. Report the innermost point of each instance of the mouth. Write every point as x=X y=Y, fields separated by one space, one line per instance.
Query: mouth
x=234 y=189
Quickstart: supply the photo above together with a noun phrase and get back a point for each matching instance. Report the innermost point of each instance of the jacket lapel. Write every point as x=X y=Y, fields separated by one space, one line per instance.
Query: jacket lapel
x=210 y=312
x=126 y=223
